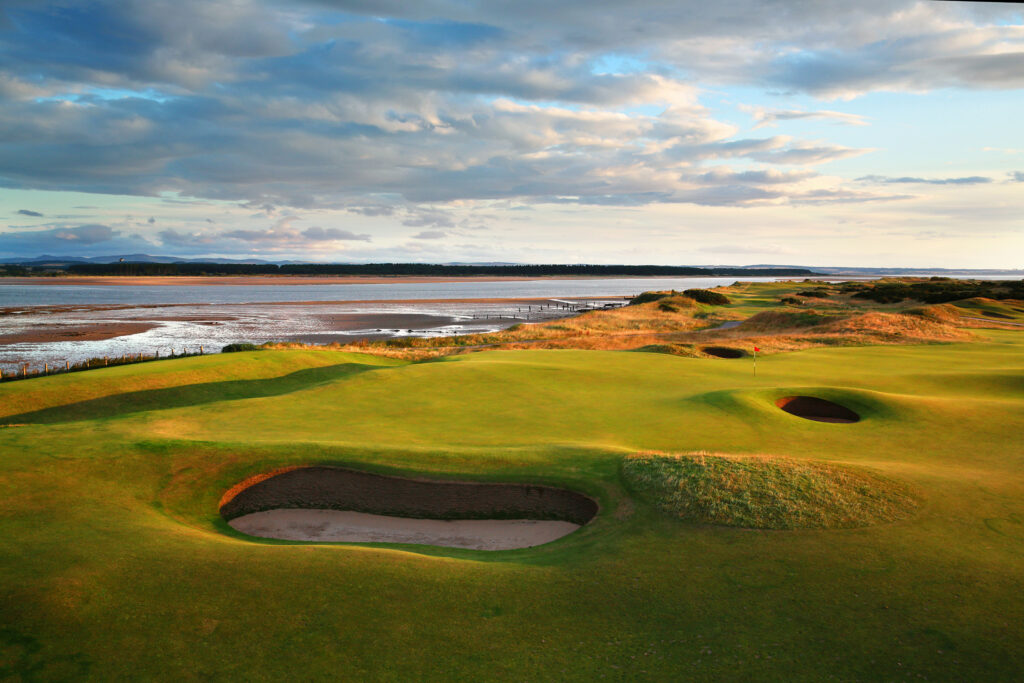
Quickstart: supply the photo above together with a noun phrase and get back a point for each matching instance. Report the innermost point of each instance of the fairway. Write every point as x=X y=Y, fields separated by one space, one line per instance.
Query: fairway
x=115 y=562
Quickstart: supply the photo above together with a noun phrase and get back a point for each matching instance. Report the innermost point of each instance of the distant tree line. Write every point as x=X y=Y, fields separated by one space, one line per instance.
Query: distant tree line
x=422 y=269
x=12 y=270
x=938 y=290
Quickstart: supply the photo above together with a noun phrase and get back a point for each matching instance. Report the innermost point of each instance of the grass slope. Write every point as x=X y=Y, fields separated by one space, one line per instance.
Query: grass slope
x=114 y=564
x=764 y=492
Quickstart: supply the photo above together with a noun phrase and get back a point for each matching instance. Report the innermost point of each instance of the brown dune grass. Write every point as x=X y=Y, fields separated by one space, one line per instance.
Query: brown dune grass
x=677 y=325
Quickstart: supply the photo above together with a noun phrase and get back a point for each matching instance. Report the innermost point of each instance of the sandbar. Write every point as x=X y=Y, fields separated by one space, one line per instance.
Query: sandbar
x=41 y=334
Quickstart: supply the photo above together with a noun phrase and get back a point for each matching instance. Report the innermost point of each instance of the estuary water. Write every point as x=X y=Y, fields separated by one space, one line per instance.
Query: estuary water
x=63 y=295
x=53 y=324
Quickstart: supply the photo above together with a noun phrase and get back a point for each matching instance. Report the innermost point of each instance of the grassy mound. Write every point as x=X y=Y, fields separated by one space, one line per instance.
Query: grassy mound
x=764 y=492
x=706 y=296
x=684 y=350
x=774 y=321
x=895 y=326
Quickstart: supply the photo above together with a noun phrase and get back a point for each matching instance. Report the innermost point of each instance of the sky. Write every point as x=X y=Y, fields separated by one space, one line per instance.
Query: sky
x=878 y=133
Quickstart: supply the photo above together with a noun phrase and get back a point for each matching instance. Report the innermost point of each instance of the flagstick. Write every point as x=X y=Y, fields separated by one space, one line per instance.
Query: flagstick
x=755 y=361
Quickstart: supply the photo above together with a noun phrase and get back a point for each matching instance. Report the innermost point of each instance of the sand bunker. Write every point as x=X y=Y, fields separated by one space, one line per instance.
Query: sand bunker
x=724 y=352
x=359 y=527
x=818 y=409
x=331 y=504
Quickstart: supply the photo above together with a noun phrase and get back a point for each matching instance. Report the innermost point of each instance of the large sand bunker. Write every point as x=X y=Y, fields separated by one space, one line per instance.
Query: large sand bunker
x=817 y=409
x=359 y=527
x=336 y=504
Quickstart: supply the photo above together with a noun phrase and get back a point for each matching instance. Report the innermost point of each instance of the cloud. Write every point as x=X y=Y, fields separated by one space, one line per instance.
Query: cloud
x=180 y=239
x=27 y=212
x=842 y=196
x=374 y=108
x=430 y=235
x=768 y=176
x=429 y=218
x=84 y=234
x=283 y=234
x=806 y=154
x=1004 y=150
x=372 y=210
x=967 y=180
x=81 y=240
x=771 y=117
x=317 y=234
x=1017 y=176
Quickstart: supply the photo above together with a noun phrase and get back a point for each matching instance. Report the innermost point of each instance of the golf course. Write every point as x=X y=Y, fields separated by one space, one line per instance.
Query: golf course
x=733 y=539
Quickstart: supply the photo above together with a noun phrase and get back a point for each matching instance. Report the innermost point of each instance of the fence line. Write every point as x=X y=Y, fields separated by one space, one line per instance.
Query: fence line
x=24 y=370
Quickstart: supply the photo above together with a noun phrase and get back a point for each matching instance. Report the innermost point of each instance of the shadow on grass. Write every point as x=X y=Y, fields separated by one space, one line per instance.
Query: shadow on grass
x=189 y=395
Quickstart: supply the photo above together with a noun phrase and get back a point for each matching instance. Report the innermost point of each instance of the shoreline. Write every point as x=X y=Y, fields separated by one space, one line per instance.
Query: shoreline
x=258 y=280
x=65 y=308
x=37 y=334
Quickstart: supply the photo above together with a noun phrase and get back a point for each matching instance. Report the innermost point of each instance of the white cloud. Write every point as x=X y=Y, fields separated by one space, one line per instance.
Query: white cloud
x=771 y=117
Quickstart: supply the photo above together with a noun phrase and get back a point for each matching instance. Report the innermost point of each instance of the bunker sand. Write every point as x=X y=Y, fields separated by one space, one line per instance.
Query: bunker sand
x=359 y=527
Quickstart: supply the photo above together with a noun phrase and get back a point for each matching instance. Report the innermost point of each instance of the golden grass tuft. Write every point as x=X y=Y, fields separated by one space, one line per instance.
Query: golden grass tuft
x=764 y=492
x=896 y=326
x=943 y=313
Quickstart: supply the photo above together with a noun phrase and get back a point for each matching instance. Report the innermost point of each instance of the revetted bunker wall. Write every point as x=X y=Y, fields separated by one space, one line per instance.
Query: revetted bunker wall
x=724 y=352
x=814 y=408
x=337 y=488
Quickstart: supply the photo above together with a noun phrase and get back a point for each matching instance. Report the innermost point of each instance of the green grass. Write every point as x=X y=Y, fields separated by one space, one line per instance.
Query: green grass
x=115 y=565
x=764 y=492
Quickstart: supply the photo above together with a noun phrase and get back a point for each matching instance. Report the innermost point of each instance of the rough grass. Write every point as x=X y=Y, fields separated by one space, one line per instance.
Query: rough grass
x=895 y=327
x=772 y=321
x=762 y=492
x=670 y=322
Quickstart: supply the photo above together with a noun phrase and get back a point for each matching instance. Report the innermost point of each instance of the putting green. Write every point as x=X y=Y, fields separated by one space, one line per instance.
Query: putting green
x=114 y=562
